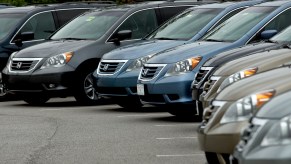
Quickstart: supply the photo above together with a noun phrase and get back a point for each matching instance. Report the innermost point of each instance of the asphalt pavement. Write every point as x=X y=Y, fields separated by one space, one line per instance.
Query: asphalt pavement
x=61 y=132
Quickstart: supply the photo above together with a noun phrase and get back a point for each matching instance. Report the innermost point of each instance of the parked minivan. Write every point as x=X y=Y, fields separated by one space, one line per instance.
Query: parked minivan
x=63 y=65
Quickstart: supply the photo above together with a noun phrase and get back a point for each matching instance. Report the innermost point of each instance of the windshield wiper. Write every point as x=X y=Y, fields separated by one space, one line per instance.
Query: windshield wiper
x=271 y=41
x=214 y=40
x=165 y=38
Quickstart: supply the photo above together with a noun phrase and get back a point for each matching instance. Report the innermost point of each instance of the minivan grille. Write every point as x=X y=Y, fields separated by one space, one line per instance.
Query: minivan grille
x=202 y=74
x=150 y=72
x=110 y=67
x=23 y=65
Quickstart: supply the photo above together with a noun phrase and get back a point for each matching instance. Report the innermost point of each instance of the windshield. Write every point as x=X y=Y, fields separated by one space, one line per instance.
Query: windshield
x=238 y=25
x=186 y=25
x=284 y=36
x=8 y=22
x=89 y=26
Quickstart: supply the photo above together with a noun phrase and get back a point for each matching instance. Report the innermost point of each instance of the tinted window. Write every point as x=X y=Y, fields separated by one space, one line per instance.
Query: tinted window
x=89 y=26
x=185 y=25
x=280 y=22
x=140 y=23
x=42 y=25
x=65 y=15
x=8 y=22
x=169 y=12
x=238 y=25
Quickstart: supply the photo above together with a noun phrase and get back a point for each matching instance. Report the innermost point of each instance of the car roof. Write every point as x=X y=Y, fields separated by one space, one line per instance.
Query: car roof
x=275 y=3
x=224 y=5
x=45 y=7
x=141 y=5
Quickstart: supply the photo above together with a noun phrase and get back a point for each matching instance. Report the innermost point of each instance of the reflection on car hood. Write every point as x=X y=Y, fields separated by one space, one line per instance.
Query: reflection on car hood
x=239 y=52
x=141 y=49
x=52 y=48
x=278 y=79
x=189 y=50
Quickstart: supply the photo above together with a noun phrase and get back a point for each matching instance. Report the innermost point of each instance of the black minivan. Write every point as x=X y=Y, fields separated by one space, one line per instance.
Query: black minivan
x=21 y=27
x=64 y=65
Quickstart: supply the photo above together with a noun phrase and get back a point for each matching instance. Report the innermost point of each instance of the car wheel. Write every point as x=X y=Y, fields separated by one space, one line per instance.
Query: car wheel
x=85 y=93
x=36 y=99
x=132 y=103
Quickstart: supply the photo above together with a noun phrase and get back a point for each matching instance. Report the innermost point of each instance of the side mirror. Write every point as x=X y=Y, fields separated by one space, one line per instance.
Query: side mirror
x=25 y=36
x=268 y=34
x=121 y=35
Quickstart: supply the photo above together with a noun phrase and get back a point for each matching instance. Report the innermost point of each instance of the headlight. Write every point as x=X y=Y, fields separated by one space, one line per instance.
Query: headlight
x=244 y=108
x=138 y=63
x=58 y=60
x=237 y=76
x=184 y=66
x=279 y=134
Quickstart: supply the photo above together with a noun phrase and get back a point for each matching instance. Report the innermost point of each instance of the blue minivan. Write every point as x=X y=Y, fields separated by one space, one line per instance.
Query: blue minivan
x=118 y=70
x=166 y=78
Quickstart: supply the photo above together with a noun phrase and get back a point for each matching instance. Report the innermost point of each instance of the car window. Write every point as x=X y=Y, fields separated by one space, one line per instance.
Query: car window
x=65 y=15
x=42 y=25
x=238 y=25
x=185 y=25
x=8 y=23
x=168 y=12
x=140 y=23
x=90 y=26
x=279 y=23
x=229 y=15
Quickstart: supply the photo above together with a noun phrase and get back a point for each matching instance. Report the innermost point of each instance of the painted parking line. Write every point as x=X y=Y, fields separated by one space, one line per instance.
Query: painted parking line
x=139 y=115
x=173 y=138
x=67 y=108
x=172 y=125
x=180 y=155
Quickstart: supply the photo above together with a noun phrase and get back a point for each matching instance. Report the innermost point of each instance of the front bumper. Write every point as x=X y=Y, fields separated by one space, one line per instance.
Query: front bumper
x=51 y=80
x=123 y=84
x=168 y=90
x=221 y=139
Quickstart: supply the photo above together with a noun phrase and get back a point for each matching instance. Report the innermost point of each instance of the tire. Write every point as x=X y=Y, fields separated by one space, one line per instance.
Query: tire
x=84 y=91
x=212 y=158
x=132 y=103
x=36 y=99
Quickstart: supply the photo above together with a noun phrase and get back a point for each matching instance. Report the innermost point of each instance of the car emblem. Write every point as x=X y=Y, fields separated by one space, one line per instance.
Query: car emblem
x=19 y=64
x=105 y=67
x=145 y=72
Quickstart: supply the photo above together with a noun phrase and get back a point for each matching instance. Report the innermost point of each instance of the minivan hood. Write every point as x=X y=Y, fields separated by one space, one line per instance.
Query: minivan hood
x=51 y=48
x=141 y=49
x=260 y=60
x=278 y=79
x=280 y=103
x=188 y=50
x=224 y=57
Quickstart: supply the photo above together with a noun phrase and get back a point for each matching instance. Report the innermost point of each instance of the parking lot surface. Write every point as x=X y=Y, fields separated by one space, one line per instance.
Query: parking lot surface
x=63 y=132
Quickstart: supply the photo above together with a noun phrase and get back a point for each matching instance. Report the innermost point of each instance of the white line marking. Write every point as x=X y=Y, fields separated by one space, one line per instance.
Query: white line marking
x=172 y=138
x=171 y=125
x=139 y=115
x=179 y=155
x=67 y=108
